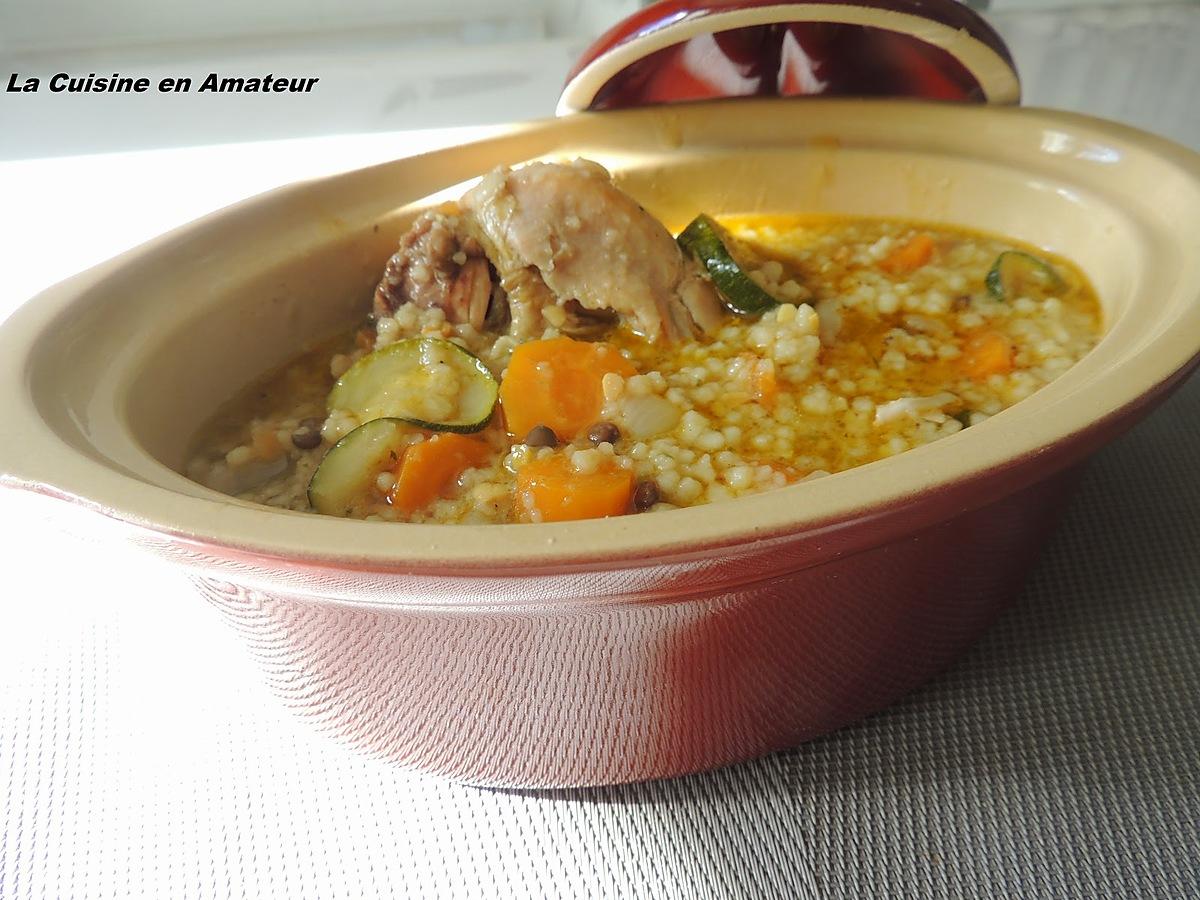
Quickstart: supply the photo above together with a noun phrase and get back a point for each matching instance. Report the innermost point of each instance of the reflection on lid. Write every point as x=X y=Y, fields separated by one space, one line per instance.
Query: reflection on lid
x=798 y=70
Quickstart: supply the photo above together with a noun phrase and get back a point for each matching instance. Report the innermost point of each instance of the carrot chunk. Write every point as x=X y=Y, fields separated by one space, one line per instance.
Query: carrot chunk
x=553 y=488
x=266 y=443
x=909 y=256
x=987 y=353
x=556 y=383
x=427 y=469
x=764 y=385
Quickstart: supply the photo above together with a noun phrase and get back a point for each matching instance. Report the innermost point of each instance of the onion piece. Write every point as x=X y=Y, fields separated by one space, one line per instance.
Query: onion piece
x=911 y=406
x=239 y=479
x=829 y=314
x=644 y=416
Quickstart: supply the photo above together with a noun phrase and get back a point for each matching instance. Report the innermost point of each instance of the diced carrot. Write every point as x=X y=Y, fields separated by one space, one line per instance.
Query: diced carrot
x=556 y=383
x=428 y=468
x=909 y=256
x=266 y=443
x=552 y=488
x=987 y=353
x=763 y=385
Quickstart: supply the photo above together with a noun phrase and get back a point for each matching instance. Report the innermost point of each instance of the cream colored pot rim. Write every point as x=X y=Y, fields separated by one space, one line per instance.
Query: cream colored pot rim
x=33 y=456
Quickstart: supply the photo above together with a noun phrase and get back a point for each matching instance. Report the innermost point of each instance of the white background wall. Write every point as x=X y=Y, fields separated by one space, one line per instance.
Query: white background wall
x=41 y=25
x=383 y=65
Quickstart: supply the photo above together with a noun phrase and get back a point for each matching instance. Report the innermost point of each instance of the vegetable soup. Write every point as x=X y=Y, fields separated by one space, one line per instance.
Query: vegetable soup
x=545 y=350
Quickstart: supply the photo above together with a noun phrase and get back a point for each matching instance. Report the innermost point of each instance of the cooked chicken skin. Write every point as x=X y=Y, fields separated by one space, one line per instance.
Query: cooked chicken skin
x=557 y=236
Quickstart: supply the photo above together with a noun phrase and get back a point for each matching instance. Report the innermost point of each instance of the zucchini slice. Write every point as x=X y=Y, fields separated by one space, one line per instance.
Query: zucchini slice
x=432 y=383
x=341 y=483
x=711 y=245
x=1014 y=272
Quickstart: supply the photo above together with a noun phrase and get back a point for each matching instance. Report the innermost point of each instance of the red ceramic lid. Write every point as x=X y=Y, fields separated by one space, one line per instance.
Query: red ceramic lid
x=690 y=50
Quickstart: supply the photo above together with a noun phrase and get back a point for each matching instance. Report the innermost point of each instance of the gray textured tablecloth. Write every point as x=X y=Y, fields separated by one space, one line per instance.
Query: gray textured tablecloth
x=141 y=756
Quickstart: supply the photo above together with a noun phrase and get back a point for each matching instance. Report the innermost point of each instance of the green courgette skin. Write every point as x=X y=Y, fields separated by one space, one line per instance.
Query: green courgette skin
x=1012 y=263
x=364 y=388
x=345 y=475
x=709 y=243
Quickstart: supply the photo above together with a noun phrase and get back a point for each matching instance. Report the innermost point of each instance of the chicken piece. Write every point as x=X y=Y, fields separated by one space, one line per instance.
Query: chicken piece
x=549 y=244
x=562 y=233
x=438 y=264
